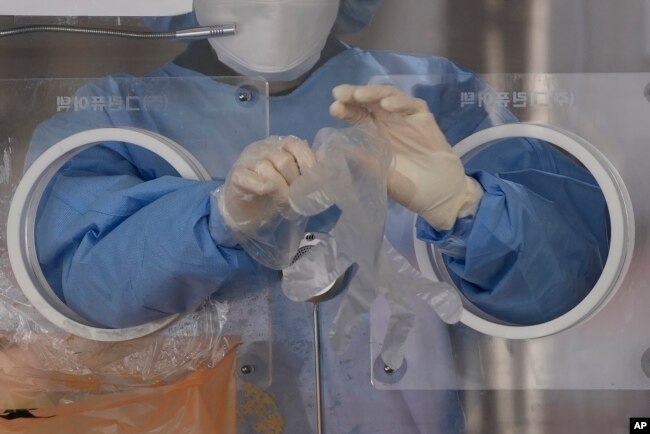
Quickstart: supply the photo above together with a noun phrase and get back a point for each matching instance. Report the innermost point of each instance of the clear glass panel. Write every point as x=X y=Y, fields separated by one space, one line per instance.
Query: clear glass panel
x=609 y=348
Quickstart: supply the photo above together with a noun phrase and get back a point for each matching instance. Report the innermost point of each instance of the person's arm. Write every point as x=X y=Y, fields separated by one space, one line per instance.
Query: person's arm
x=121 y=239
x=539 y=239
x=121 y=249
x=523 y=248
x=524 y=257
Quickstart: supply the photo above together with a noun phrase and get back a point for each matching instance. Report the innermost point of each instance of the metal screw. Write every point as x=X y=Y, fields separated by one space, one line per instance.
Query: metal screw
x=244 y=95
x=246 y=369
x=388 y=370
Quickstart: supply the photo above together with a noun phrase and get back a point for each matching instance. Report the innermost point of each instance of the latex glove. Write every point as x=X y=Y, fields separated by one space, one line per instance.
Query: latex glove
x=255 y=192
x=426 y=176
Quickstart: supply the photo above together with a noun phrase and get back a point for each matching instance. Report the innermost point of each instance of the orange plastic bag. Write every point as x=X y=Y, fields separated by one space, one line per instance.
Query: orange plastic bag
x=203 y=401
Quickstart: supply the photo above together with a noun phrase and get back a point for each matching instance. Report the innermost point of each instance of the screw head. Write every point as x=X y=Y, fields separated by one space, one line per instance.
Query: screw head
x=244 y=95
x=388 y=370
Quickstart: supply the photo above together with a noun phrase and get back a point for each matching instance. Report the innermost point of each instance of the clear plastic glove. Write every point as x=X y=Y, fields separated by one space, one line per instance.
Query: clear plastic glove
x=352 y=174
x=257 y=186
x=426 y=176
x=254 y=199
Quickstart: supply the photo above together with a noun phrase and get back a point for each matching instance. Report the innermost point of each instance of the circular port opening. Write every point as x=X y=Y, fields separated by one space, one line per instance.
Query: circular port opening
x=621 y=243
x=22 y=217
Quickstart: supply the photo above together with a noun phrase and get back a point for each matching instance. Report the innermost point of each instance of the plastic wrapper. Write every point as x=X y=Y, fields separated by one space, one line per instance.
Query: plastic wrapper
x=351 y=174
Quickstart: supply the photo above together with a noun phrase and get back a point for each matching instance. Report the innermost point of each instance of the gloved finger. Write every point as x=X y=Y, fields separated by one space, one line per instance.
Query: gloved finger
x=285 y=164
x=347 y=112
x=344 y=93
x=267 y=171
x=302 y=154
x=403 y=104
x=373 y=94
x=249 y=181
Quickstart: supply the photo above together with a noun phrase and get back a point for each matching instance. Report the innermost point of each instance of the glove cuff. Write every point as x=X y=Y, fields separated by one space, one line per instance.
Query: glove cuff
x=474 y=193
x=220 y=231
x=466 y=203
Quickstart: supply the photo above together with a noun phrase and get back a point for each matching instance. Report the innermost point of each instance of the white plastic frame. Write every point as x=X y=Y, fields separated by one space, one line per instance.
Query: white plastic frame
x=22 y=216
x=621 y=239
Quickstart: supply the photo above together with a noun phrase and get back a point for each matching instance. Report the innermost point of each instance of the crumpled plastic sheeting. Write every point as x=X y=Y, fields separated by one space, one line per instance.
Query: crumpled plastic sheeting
x=192 y=343
x=351 y=173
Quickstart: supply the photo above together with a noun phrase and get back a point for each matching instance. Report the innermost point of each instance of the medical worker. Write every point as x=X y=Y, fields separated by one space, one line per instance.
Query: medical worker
x=122 y=240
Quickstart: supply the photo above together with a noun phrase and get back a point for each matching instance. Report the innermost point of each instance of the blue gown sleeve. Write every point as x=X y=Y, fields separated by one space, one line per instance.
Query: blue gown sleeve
x=539 y=240
x=122 y=239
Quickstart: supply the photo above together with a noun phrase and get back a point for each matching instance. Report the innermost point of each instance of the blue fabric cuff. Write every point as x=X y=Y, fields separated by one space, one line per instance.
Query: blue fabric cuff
x=452 y=242
x=219 y=232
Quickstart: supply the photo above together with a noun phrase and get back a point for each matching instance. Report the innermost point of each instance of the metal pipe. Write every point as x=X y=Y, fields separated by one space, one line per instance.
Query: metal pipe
x=215 y=31
x=319 y=400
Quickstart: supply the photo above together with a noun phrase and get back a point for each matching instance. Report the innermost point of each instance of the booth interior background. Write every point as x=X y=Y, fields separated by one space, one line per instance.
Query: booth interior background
x=486 y=36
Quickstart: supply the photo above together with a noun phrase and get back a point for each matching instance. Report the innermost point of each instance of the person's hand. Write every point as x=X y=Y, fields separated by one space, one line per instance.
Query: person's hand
x=426 y=177
x=255 y=191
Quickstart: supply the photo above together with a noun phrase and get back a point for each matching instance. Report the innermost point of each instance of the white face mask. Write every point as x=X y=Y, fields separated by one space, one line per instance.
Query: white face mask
x=277 y=39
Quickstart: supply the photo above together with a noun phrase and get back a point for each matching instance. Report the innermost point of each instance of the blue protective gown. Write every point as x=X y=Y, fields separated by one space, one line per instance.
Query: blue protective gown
x=536 y=246
x=123 y=241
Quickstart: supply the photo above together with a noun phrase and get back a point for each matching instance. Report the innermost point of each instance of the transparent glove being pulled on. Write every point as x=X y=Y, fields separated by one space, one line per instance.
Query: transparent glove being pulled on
x=254 y=199
x=426 y=176
x=351 y=173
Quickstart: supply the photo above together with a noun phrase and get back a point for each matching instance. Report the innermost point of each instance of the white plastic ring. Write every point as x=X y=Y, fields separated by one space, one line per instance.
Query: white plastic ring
x=22 y=215
x=621 y=238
